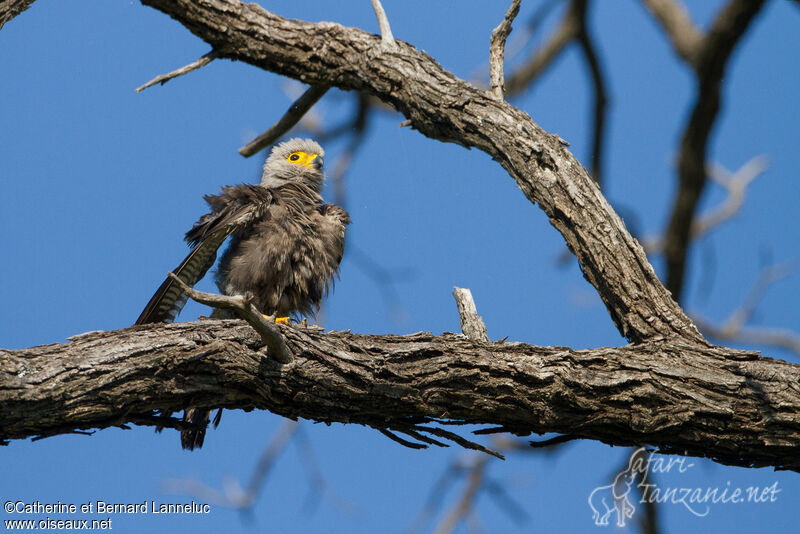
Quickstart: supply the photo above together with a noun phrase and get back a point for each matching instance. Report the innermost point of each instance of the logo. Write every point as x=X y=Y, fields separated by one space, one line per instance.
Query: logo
x=615 y=499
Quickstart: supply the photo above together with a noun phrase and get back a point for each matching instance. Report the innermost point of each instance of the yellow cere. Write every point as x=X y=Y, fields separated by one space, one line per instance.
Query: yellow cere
x=301 y=158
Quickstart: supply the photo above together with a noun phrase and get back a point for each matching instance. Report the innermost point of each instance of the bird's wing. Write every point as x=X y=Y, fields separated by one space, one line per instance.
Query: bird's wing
x=236 y=208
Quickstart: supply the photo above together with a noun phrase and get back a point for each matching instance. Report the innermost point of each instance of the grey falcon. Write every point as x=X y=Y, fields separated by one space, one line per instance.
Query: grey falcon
x=285 y=247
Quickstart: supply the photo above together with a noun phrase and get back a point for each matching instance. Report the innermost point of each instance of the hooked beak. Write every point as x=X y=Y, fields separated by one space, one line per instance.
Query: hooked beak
x=315 y=161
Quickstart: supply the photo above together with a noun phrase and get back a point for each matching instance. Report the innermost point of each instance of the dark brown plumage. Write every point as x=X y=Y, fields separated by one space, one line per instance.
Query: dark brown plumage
x=285 y=247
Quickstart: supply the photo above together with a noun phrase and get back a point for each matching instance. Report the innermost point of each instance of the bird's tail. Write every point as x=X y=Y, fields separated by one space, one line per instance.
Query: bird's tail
x=193 y=438
x=168 y=300
x=167 y=303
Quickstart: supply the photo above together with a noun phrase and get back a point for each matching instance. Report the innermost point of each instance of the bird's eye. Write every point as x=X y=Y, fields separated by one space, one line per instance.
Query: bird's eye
x=294 y=157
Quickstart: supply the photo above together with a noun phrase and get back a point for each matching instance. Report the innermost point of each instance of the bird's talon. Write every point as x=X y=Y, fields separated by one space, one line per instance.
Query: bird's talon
x=282 y=320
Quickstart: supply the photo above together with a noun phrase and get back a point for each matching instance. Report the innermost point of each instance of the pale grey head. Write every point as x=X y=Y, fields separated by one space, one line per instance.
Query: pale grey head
x=295 y=160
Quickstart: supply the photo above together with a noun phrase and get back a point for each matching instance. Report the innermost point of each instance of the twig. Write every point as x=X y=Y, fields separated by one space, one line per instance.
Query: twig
x=471 y=323
x=359 y=130
x=735 y=184
x=467 y=444
x=266 y=328
x=465 y=504
x=600 y=93
x=435 y=496
x=318 y=485
x=497 y=48
x=276 y=445
x=544 y=55
x=387 y=39
x=394 y=437
x=733 y=328
x=675 y=22
x=553 y=441
x=504 y=500
x=164 y=78
x=289 y=119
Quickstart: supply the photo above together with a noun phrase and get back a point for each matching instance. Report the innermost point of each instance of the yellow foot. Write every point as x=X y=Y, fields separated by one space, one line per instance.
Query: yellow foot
x=282 y=320
x=304 y=322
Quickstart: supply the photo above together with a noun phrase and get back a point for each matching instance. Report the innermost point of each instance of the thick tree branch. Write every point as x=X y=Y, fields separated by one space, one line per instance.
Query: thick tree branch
x=733 y=406
x=446 y=108
x=11 y=8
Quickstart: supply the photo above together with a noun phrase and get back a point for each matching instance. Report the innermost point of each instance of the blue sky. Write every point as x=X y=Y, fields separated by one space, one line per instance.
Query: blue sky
x=100 y=183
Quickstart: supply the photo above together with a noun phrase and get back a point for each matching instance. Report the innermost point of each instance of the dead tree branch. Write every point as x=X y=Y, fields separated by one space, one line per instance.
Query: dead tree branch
x=265 y=327
x=11 y=8
x=465 y=504
x=732 y=406
x=164 y=78
x=589 y=49
x=734 y=327
x=708 y=56
x=448 y=109
x=671 y=389
x=735 y=184
x=676 y=23
x=387 y=39
x=544 y=56
x=289 y=119
x=497 y=49
x=471 y=323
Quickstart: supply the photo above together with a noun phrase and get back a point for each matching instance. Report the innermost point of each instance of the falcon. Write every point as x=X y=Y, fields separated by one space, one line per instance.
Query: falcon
x=285 y=248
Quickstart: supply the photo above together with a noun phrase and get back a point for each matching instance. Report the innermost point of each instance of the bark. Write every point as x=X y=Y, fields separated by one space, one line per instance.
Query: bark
x=670 y=389
x=443 y=107
x=732 y=406
x=11 y=8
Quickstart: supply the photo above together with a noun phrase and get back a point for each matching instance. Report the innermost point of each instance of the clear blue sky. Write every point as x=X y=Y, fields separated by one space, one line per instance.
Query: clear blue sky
x=99 y=184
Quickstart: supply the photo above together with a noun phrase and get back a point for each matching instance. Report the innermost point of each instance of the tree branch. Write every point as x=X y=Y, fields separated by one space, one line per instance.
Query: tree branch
x=387 y=39
x=675 y=22
x=709 y=61
x=544 y=56
x=497 y=48
x=446 y=108
x=600 y=93
x=471 y=323
x=735 y=184
x=193 y=66
x=289 y=119
x=265 y=327
x=732 y=406
x=11 y=8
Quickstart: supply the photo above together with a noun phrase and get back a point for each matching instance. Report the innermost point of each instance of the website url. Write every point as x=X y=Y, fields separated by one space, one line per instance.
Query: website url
x=57 y=524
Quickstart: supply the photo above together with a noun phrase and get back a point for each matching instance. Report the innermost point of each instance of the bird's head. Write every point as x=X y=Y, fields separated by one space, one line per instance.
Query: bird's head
x=295 y=160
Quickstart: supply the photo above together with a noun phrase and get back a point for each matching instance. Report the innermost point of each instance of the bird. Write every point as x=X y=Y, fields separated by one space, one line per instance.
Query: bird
x=285 y=247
